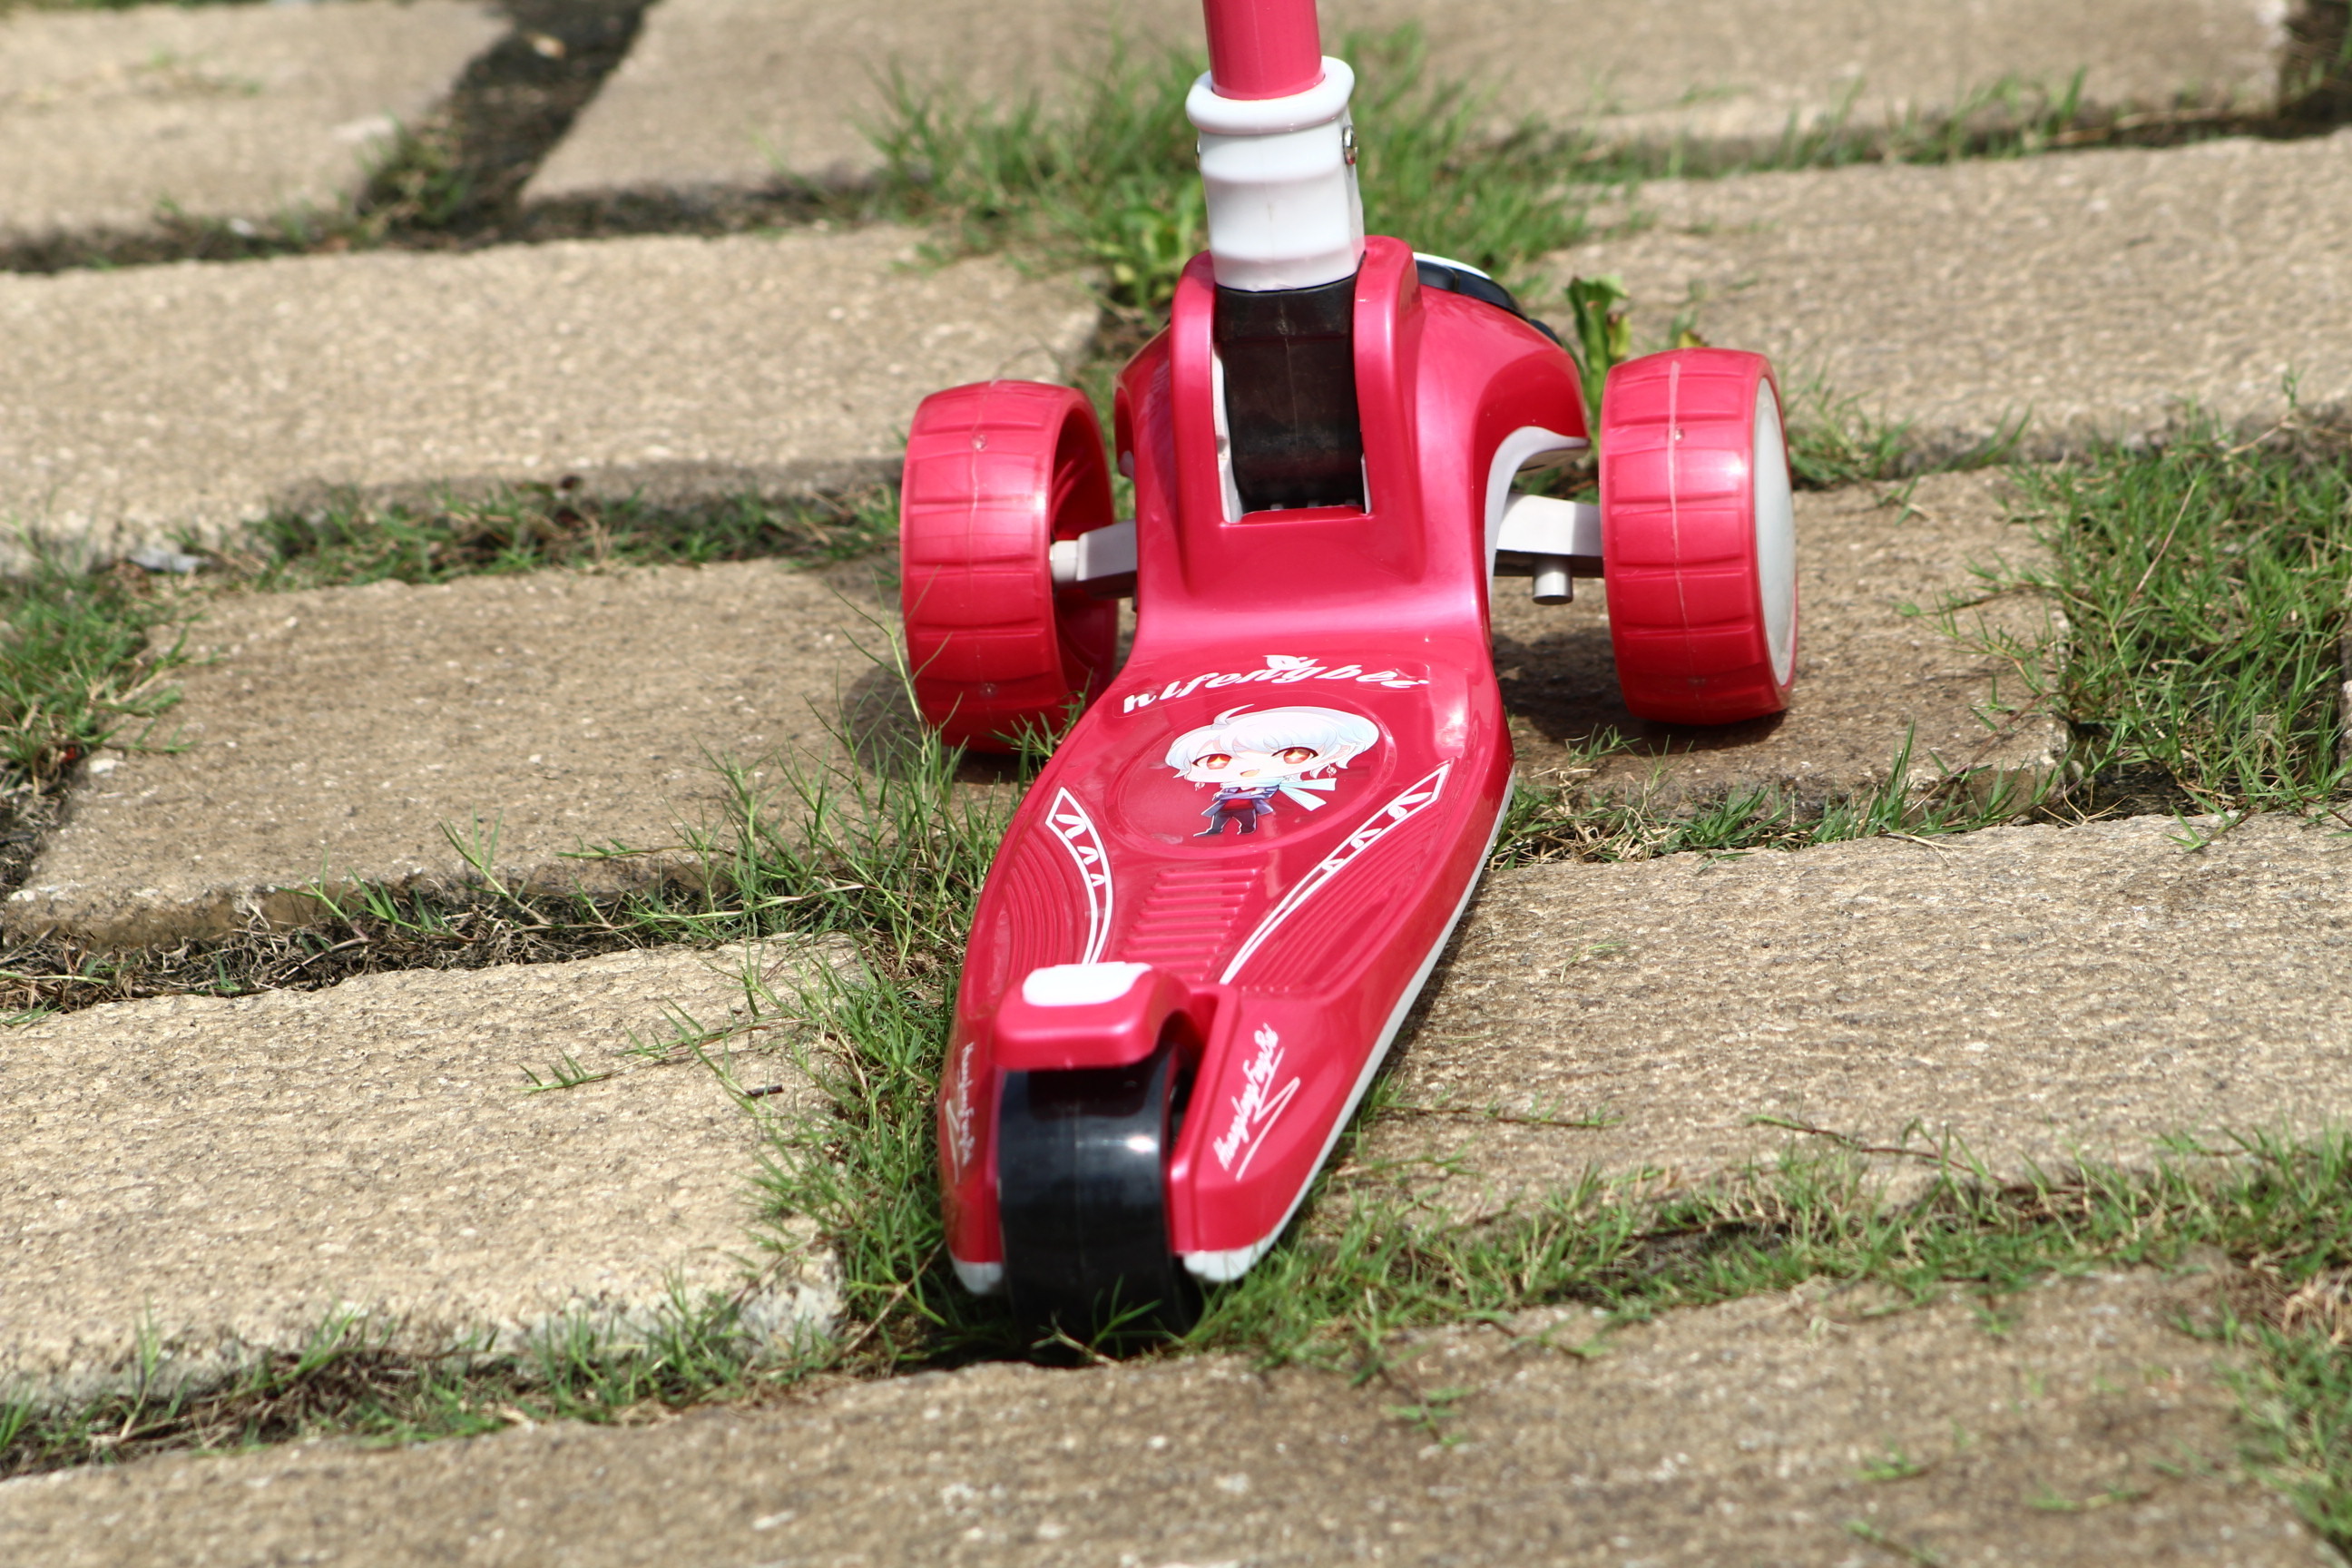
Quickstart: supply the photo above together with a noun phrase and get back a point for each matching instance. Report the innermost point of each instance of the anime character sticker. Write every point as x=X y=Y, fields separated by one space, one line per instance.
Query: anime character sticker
x=1253 y=757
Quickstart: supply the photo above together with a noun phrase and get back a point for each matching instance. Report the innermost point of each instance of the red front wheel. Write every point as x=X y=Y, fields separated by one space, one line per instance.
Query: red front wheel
x=995 y=473
x=1698 y=537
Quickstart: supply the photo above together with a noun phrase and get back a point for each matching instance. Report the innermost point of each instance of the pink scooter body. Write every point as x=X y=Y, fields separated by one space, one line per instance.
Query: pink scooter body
x=1283 y=954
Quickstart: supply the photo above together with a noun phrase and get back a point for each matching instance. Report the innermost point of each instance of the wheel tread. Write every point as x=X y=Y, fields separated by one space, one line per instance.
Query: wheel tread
x=1679 y=537
x=994 y=472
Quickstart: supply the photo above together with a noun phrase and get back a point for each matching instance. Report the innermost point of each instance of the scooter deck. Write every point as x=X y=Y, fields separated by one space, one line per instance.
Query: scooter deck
x=1298 y=904
x=1216 y=906
x=1280 y=806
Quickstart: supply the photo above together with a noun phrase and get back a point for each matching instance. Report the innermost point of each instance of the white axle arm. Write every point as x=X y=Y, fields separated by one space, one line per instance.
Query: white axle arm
x=1102 y=560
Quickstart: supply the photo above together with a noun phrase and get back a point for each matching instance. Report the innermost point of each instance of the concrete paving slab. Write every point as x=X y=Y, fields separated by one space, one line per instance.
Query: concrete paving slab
x=737 y=93
x=223 y=111
x=2039 y=996
x=734 y=94
x=2088 y=294
x=1870 y=673
x=331 y=734
x=1736 y=1434
x=158 y=399
x=226 y=1175
x=1743 y=71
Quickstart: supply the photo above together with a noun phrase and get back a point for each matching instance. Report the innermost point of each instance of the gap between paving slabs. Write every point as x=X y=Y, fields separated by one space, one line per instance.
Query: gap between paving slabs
x=1809 y=1426
x=544 y=733
x=434 y=171
x=1306 y=1302
x=209 y=112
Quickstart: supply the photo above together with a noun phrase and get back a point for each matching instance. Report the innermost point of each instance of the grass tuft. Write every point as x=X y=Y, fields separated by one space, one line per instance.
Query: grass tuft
x=1109 y=176
x=352 y=540
x=353 y=1378
x=1571 y=821
x=2204 y=585
x=77 y=667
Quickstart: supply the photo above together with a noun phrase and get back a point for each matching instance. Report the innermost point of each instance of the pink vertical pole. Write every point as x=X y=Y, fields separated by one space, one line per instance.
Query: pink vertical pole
x=1262 y=48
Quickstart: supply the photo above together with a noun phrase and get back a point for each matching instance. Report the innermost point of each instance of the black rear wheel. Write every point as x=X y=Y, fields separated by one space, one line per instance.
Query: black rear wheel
x=1082 y=1193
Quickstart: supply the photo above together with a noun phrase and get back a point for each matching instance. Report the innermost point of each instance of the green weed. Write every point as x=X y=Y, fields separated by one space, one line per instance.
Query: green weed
x=2297 y=1396
x=1572 y=821
x=1600 y=333
x=352 y=1377
x=1894 y=1465
x=528 y=528
x=1109 y=176
x=2204 y=585
x=77 y=668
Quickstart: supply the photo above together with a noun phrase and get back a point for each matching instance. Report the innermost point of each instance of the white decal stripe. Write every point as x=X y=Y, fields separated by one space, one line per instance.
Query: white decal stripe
x=1076 y=830
x=1410 y=803
x=1217 y=1267
x=1273 y=1113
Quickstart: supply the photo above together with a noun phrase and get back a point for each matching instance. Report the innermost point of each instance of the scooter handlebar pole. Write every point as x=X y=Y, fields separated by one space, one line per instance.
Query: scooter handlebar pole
x=1262 y=48
x=1278 y=150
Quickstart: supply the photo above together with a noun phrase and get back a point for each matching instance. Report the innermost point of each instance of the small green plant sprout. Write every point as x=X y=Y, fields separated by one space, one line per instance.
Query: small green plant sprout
x=1602 y=337
x=1584 y=954
x=1149 y=243
x=478 y=848
x=1894 y=1465
x=685 y=1037
x=1863 y=1530
x=564 y=1072
x=2048 y=1500
x=1433 y=1413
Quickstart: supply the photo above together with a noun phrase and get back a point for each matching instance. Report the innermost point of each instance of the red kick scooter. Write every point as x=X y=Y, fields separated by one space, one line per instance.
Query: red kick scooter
x=1225 y=889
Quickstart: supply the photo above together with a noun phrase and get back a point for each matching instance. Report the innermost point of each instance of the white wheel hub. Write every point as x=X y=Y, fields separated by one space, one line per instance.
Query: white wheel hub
x=1775 y=536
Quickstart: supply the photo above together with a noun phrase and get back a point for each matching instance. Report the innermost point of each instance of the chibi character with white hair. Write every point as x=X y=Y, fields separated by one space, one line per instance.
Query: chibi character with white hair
x=1253 y=757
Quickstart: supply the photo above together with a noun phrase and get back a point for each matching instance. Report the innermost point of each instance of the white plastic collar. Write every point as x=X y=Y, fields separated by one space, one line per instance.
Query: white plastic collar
x=1318 y=105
